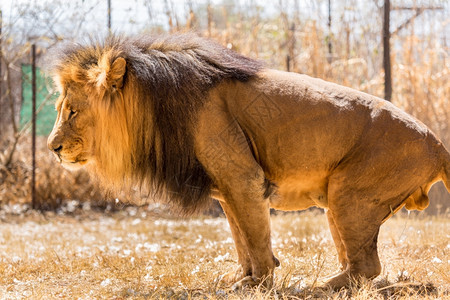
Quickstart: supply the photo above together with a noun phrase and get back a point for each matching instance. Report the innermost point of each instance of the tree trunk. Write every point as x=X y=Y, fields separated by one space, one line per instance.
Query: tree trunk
x=387 y=52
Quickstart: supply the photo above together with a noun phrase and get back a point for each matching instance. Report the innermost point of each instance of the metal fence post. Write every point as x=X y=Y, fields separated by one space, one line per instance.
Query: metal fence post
x=33 y=127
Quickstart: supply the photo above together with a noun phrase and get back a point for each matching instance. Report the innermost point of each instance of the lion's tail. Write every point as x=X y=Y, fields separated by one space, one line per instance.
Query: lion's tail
x=446 y=170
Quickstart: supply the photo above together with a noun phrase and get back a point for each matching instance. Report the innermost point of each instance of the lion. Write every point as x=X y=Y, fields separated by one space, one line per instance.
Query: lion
x=192 y=120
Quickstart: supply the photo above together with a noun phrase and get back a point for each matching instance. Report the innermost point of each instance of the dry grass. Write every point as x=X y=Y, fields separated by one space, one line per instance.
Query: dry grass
x=135 y=255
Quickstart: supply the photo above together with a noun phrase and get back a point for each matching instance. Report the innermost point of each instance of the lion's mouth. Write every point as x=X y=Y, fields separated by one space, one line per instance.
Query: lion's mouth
x=79 y=161
x=72 y=164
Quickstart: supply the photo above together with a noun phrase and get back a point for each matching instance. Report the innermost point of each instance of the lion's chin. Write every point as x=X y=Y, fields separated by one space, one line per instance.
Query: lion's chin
x=73 y=166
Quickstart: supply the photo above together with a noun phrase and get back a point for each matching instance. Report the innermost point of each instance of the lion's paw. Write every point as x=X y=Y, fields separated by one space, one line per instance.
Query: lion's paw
x=246 y=282
x=336 y=282
x=250 y=282
x=232 y=276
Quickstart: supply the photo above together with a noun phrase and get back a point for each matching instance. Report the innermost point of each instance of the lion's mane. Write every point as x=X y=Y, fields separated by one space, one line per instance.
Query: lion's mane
x=144 y=133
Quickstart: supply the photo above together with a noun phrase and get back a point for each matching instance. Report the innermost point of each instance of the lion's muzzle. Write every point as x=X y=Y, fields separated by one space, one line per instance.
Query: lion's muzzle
x=54 y=144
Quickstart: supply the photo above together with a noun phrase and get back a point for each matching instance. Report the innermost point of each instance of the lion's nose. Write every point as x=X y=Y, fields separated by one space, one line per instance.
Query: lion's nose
x=57 y=149
x=54 y=145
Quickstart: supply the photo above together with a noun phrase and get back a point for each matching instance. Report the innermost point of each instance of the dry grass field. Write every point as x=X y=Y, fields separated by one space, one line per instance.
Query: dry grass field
x=136 y=254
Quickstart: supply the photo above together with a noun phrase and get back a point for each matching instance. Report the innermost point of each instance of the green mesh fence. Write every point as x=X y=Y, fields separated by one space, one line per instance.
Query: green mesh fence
x=45 y=102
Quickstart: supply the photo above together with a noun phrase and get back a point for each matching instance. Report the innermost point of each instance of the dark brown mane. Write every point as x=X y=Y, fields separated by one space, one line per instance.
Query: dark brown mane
x=173 y=74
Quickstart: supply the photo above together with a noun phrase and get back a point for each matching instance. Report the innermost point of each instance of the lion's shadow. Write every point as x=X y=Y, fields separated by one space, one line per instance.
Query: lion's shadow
x=383 y=287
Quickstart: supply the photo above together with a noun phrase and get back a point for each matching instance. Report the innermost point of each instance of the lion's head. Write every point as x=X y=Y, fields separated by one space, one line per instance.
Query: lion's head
x=76 y=135
x=128 y=106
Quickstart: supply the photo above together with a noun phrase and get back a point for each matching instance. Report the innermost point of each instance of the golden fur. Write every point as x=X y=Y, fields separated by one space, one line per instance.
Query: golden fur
x=187 y=118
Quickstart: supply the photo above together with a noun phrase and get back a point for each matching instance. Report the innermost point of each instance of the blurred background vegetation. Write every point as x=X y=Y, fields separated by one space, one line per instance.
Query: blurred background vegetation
x=337 y=40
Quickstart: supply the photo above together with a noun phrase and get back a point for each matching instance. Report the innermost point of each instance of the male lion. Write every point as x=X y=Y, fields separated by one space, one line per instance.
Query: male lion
x=191 y=119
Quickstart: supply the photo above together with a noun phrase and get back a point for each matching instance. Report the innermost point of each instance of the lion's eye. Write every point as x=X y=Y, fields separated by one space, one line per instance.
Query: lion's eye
x=72 y=113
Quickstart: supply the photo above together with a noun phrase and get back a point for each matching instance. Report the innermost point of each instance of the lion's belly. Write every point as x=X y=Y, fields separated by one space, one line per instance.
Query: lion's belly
x=300 y=194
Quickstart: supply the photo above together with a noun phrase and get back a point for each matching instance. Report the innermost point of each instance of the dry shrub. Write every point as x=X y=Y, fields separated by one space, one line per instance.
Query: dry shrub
x=54 y=184
x=15 y=182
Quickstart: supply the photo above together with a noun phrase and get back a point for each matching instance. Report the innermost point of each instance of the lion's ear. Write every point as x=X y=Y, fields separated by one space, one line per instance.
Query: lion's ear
x=110 y=75
x=116 y=73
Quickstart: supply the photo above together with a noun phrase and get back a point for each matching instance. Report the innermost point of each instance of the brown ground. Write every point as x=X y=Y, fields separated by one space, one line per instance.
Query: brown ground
x=135 y=254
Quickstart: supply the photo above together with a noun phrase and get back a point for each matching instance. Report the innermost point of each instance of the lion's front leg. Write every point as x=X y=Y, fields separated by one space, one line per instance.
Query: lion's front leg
x=241 y=249
x=223 y=150
x=340 y=248
x=248 y=213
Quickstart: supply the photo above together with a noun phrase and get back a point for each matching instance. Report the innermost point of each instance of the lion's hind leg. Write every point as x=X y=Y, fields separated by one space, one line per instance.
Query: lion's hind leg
x=361 y=250
x=357 y=224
